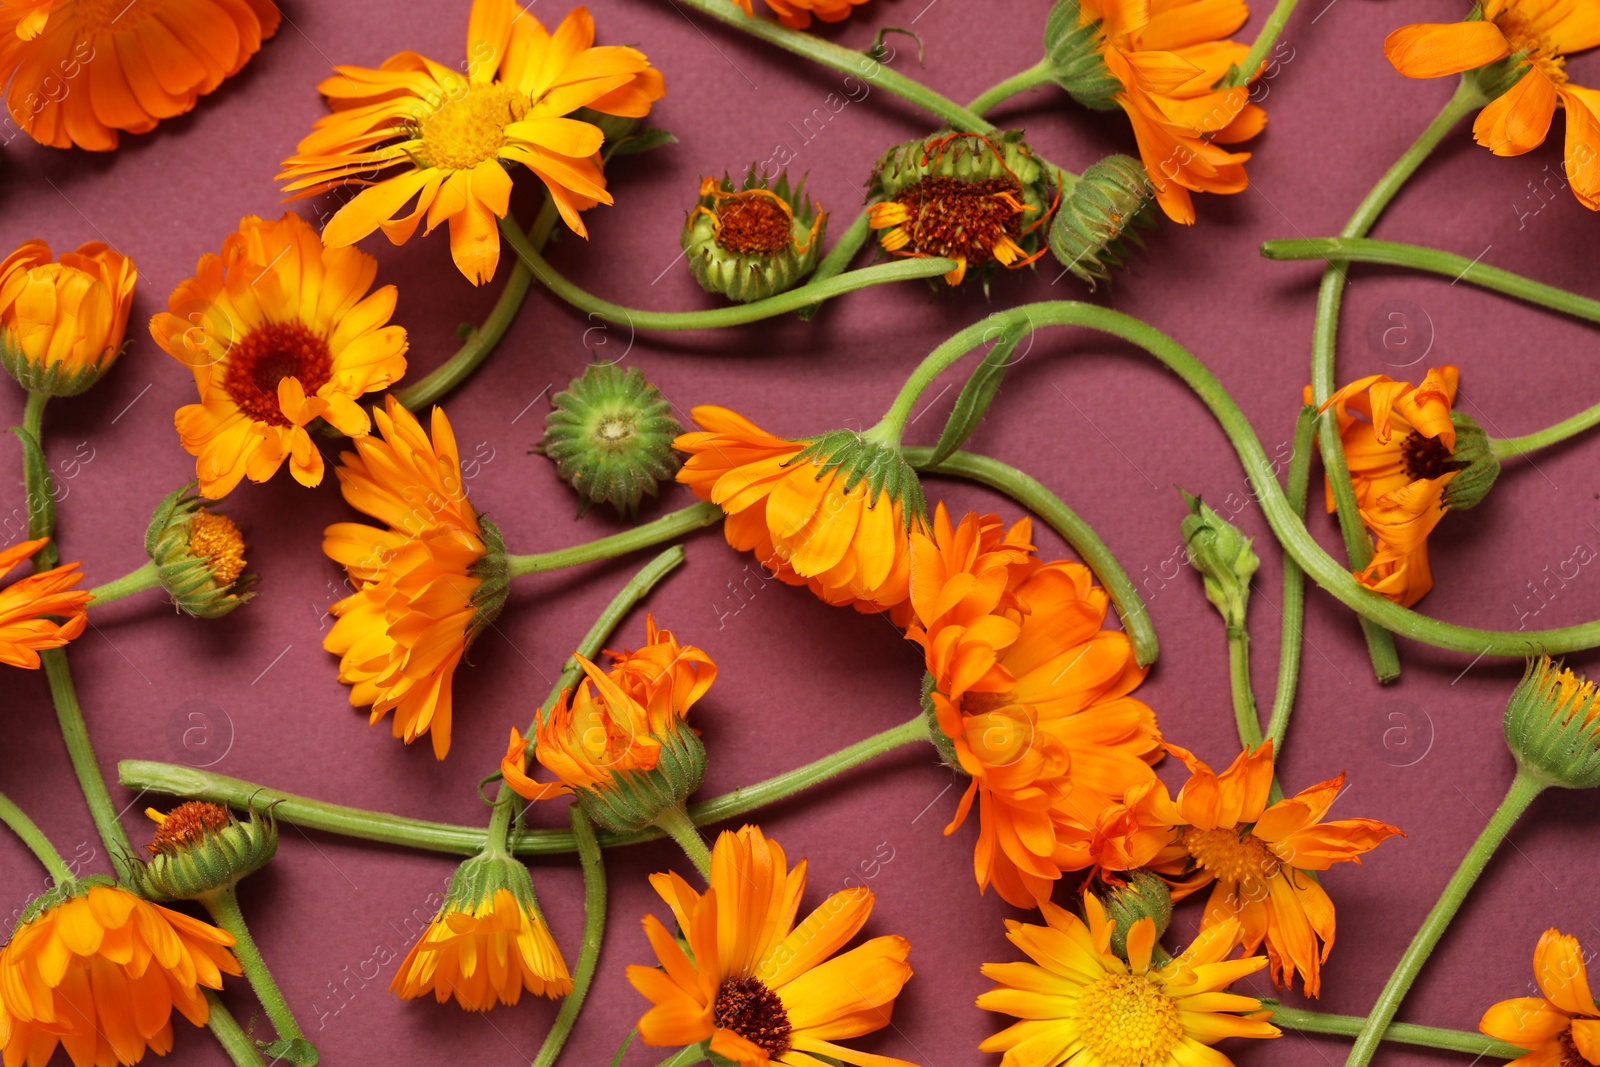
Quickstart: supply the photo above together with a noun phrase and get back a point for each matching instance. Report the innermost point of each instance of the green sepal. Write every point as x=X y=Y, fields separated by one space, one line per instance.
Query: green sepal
x=632 y=800
x=493 y=571
x=215 y=863
x=882 y=467
x=942 y=742
x=645 y=140
x=1479 y=466
x=746 y=277
x=1224 y=558
x=610 y=434
x=58 y=895
x=1145 y=896
x=1075 y=60
x=52 y=379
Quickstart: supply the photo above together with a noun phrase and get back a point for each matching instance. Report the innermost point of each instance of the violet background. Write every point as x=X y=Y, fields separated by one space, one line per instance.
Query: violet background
x=1096 y=421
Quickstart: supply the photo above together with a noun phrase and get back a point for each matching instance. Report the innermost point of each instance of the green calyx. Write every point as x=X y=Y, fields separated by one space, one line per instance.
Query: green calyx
x=1224 y=558
x=199 y=556
x=861 y=458
x=1479 y=467
x=52 y=379
x=1552 y=725
x=1098 y=217
x=967 y=157
x=478 y=879
x=942 y=742
x=493 y=571
x=58 y=895
x=202 y=849
x=610 y=435
x=1073 y=49
x=1144 y=896
x=755 y=240
x=634 y=799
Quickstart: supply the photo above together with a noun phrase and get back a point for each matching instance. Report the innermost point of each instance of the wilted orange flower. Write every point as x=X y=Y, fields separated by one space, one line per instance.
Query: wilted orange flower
x=1032 y=694
x=85 y=69
x=1561 y=1027
x=421 y=590
x=277 y=331
x=796 y=14
x=761 y=988
x=62 y=322
x=40 y=611
x=810 y=515
x=1254 y=856
x=1525 y=43
x=446 y=139
x=98 y=970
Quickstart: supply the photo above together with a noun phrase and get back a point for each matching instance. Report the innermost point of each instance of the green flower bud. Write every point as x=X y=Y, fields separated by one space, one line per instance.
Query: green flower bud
x=633 y=799
x=493 y=571
x=1224 y=558
x=754 y=241
x=1476 y=461
x=1098 y=217
x=1145 y=896
x=1552 y=726
x=199 y=556
x=1074 y=51
x=200 y=849
x=610 y=434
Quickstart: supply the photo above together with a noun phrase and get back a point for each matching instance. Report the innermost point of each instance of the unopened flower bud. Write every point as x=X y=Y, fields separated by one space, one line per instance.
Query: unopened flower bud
x=1552 y=725
x=610 y=433
x=753 y=241
x=1224 y=558
x=1098 y=217
x=199 y=556
x=62 y=322
x=200 y=848
x=1145 y=896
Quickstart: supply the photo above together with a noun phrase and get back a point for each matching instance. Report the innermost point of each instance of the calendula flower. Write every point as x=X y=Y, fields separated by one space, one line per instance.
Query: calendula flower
x=619 y=742
x=758 y=987
x=97 y=970
x=796 y=14
x=754 y=240
x=444 y=139
x=62 y=322
x=200 y=849
x=1160 y=63
x=1518 y=52
x=82 y=70
x=487 y=944
x=425 y=586
x=1561 y=1026
x=1030 y=697
x=40 y=611
x=278 y=331
x=1254 y=854
x=834 y=512
x=1083 y=1006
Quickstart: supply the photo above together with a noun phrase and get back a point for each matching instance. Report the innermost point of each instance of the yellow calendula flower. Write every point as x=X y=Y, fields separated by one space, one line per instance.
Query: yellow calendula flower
x=62 y=321
x=1561 y=1026
x=418 y=131
x=278 y=331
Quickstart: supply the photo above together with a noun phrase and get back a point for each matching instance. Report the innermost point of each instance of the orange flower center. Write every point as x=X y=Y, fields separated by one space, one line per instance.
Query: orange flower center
x=961 y=219
x=1231 y=856
x=1426 y=457
x=470 y=126
x=1128 y=1021
x=187 y=825
x=753 y=223
x=216 y=539
x=754 y=1012
x=1527 y=38
x=267 y=355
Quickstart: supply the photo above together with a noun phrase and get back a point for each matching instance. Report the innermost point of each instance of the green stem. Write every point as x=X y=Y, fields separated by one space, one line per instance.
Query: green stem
x=234 y=1041
x=1293 y=606
x=1078 y=534
x=28 y=831
x=1324 y=352
x=892 y=426
x=1507 y=447
x=838 y=258
x=1271 y=30
x=685 y=1057
x=712 y=318
x=1244 y=699
x=1316 y=1022
x=224 y=908
x=1041 y=73
x=1524 y=788
x=1448 y=264
x=136 y=581
x=594 y=928
x=681 y=828
x=482 y=340
x=667 y=528
x=41 y=508
x=75 y=732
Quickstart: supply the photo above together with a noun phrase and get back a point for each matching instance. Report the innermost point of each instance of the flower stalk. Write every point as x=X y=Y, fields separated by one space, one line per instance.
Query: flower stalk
x=676 y=824
x=29 y=834
x=1293 y=607
x=135 y=581
x=1317 y=1022
x=594 y=928
x=667 y=528
x=234 y=1041
x=224 y=908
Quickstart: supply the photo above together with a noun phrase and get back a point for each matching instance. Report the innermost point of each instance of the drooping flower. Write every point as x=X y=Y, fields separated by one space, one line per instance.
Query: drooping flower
x=445 y=139
x=1080 y=1005
x=833 y=512
x=40 y=611
x=97 y=970
x=758 y=987
x=62 y=322
x=1517 y=51
x=425 y=586
x=82 y=70
x=796 y=14
x=755 y=240
x=1561 y=1026
x=1030 y=695
x=277 y=331
x=1254 y=856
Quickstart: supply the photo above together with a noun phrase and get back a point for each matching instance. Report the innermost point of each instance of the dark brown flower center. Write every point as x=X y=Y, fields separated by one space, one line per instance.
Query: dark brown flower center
x=267 y=355
x=187 y=824
x=753 y=225
x=961 y=219
x=1570 y=1056
x=1426 y=457
x=754 y=1012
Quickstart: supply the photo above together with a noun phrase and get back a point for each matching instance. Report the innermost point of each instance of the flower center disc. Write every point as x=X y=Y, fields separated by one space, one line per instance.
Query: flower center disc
x=216 y=539
x=754 y=1012
x=753 y=225
x=268 y=354
x=187 y=824
x=1426 y=457
x=961 y=219
x=1525 y=37
x=1230 y=857
x=1128 y=1021
x=471 y=126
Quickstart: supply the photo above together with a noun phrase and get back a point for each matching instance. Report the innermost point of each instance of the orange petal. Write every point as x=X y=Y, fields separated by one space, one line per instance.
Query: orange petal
x=1432 y=50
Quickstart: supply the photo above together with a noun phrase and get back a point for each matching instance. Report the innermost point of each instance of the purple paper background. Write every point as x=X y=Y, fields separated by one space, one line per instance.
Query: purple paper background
x=1095 y=420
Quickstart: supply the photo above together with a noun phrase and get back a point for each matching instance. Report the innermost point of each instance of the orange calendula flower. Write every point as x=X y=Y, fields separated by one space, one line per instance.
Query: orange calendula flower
x=1561 y=1026
x=425 y=585
x=796 y=14
x=1082 y=1006
x=40 y=611
x=1253 y=856
x=82 y=70
x=834 y=512
x=445 y=139
x=759 y=987
x=1518 y=50
x=62 y=322
x=97 y=970
x=1030 y=695
x=277 y=331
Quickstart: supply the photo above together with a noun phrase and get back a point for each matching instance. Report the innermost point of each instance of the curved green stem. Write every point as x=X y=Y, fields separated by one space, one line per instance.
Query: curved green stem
x=667 y=528
x=1271 y=30
x=1032 y=495
x=224 y=908
x=1245 y=716
x=1457 y=268
x=1324 y=352
x=1317 y=1022
x=712 y=318
x=136 y=581
x=1293 y=606
x=594 y=928
x=234 y=1041
x=892 y=426
x=678 y=826
x=28 y=832
x=1524 y=788
x=844 y=250
x=1041 y=73
x=75 y=732
x=1507 y=447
